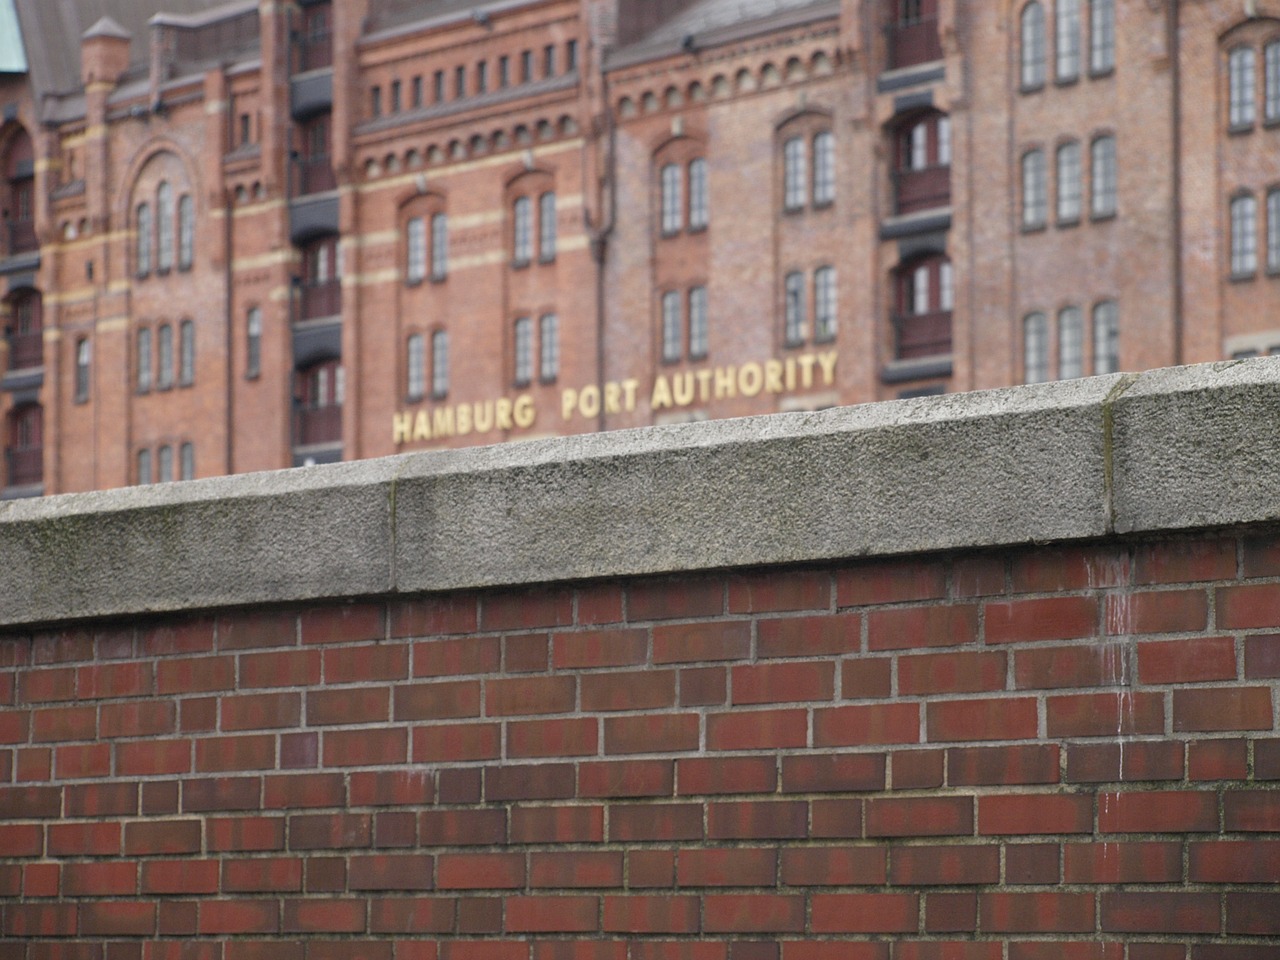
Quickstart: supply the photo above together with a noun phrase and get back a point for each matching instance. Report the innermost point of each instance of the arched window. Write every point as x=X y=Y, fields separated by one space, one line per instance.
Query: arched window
x=824 y=168
x=25 y=451
x=794 y=312
x=1106 y=335
x=699 y=201
x=17 y=194
x=144 y=466
x=25 y=331
x=439 y=246
x=164 y=464
x=1033 y=46
x=794 y=174
x=1070 y=343
x=922 y=178
x=672 y=201
x=1035 y=347
x=186 y=353
x=1244 y=235
x=1103 y=158
x=186 y=231
x=321 y=280
x=1035 y=190
x=1067 y=39
x=924 y=303
x=1070 y=188
x=1102 y=35
x=522 y=231
x=253 y=343
x=1240 y=86
x=1273 y=230
x=164 y=227
x=142 y=240
x=416 y=367
x=547 y=227
x=188 y=458
x=319 y=390
x=415 y=250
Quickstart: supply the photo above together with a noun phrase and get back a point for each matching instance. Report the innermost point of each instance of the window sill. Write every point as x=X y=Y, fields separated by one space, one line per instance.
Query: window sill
x=1027 y=89
x=253 y=374
x=519 y=264
x=1271 y=123
x=1066 y=81
x=547 y=381
x=1039 y=227
x=1243 y=277
x=437 y=397
x=1102 y=73
x=414 y=398
x=825 y=338
x=521 y=384
x=549 y=258
x=823 y=205
x=413 y=281
x=793 y=344
x=697 y=228
x=1239 y=129
x=1066 y=223
x=1102 y=217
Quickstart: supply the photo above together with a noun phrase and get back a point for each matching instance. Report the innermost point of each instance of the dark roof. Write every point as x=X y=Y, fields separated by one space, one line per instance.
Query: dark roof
x=384 y=14
x=714 y=21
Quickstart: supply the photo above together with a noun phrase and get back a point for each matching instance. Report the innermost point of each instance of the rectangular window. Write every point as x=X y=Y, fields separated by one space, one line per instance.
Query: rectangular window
x=549 y=60
x=794 y=310
x=1240 y=80
x=439 y=246
x=253 y=342
x=699 y=202
x=1106 y=353
x=375 y=102
x=919 y=146
x=1067 y=35
x=1102 y=35
x=164 y=357
x=460 y=82
x=1069 y=185
x=188 y=461
x=672 y=335
x=482 y=77
x=144 y=466
x=415 y=250
x=824 y=168
x=524 y=351
x=571 y=55
x=164 y=228
x=142 y=224
x=1070 y=344
x=1271 y=104
x=672 y=202
x=794 y=174
x=186 y=353
x=417 y=367
x=437 y=86
x=526 y=66
x=245 y=131
x=415 y=92
x=1273 y=231
x=549 y=341
x=522 y=240
x=944 y=141
x=946 y=287
x=144 y=360
x=395 y=96
x=698 y=333
x=920 y=290
x=824 y=303
x=164 y=463
x=504 y=72
x=186 y=231
x=1033 y=46
x=1244 y=236
x=84 y=357
x=547 y=227
x=439 y=364
x=1034 y=189
x=1104 y=176
x=1035 y=346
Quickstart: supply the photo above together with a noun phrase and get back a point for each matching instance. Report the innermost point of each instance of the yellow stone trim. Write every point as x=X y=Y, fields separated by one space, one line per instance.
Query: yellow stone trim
x=467 y=166
x=272 y=259
x=112 y=324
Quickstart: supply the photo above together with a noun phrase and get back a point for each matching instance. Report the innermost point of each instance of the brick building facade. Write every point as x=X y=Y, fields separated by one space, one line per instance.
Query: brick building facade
x=242 y=236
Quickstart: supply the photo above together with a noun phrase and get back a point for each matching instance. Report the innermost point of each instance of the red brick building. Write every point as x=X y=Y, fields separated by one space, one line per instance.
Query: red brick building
x=241 y=236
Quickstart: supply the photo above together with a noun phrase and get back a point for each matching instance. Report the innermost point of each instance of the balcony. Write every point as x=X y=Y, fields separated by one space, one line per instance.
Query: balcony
x=24 y=466
x=319 y=300
x=921 y=335
x=313 y=426
x=926 y=189
x=313 y=51
x=313 y=175
x=26 y=350
x=913 y=42
x=21 y=236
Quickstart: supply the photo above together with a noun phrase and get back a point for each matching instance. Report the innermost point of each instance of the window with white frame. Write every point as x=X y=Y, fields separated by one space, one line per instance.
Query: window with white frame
x=1069 y=182
x=547 y=227
x=1067 y=39
x=144 y=360
x=84 y=359
x=1102 y=35
x=824 y=168
x=142 y=240
x=522 y=230
x=416 y=367
x=1033 y=46
x=1240 y=86
x=946 y=287
x=253 y=342
x=672 y=202
x=1070 y=343
x=186 y=231
x=523 y=366
x=794 y=309
x=1273 y=230
x=164 y=227
x=1103 y=161
x=824 y=303
x=164 y=464
x=672 y=327
x=1271 y=82
x=698 y=333
x=699 y=201
x=188 y=461
x=1244 y=235
x=439 y=364
x=1035 y=193
x=439 y=246
x=164 y=357
x=415 y=250
x=548 y=347
x=1106 y=337
x=1035 y=346
x=144 y=466
x=186 y=353
x=794 y=174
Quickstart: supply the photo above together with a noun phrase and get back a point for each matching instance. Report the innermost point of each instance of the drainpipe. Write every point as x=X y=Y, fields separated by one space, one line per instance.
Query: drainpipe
x=600 y=239
x=228 y=236
x=1175 y=55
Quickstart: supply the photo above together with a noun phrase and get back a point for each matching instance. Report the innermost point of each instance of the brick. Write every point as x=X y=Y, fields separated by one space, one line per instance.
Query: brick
x=125 y=918
x=562 y=914
x=783 y=682
x=843 y=866
x=812 y=636
x=757 y=729
x=1251 y=811
x=1123 y=862
x=47 y=686
x=864 y=913
x=651 y=733
x=627 y=778
x=348 y=706
x=1058 y=569
x=29 y=920
x=409 y=915
x=893 y=581
x=60 y=724
x=920 y=816
x=1168 y=811
x=1217 y=760
x=460 y=657
x=244 y=631
x=525 y=609
x=545 y=781
x=15 y=726
x=628 y=690
x=1048 y=618
x=144 y=758
x=198 y=715
x=599 y=603
x=1011 y=718
x=554 y=870
x=562 y=737
x=739 y=867
x=950 y=913
x=147 y=718
x=1031 y=863
x=700 y=776
x=832 y=819
x=702 y=642
x=325 y=874
x=1066 y=950
x=1222 y=709
x=525 y=696
x=316 y=831
x=280 y=668
x=950 y=865
x=675 y=598
x=482 y=949
x=1138 y=760
x=951 y=673
x=392 y=788
x=832 y=773
x=917 y=769
x=34 y=764
x=651 y=869
x=348 y=623
x=1164 y=913
x=38 y=880
x=1185 y=561
x=851 y=950
x=1248 y=607
x=151 y=837
x=978 y=576
x=245 y=833
x=1022 y=814
x=526 y=653
x=1036 y=912
x=1104 y=714
x=1165 y=611
x=176 y=637
x=1193 y=660
x=651 y=914
x=588 y=649
x=114 y=878
x=580 y=950
x=655 y=821
x=1005 y=765
x=396 y=872
x=778 y=591
x=703 y=686
x=185 y=877
x=434 y=616
x=1253 y=914
x=366 y=663
x=367 y=747
x=323 y=916
x=27 y=839
x=223 y=754
x=450 y=828
x=195 y=675
x=1262 y=656
x=1049 y=668
x=757 y=820
x=300 y=790
x=560 y=824
x=1266 y=759
x=866 y=724
x=262 y=875
x=82 y=761
x=905 y=628
x=392 y=830
x=866 y=678
x=752 y=913
x=221 y=793
x=457 y=742
x=346 y=950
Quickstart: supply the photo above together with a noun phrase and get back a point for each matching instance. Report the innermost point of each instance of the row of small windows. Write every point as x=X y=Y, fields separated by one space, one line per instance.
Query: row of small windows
x=1242 y=85
x=1036 y=332
x=161 y=373
x=796 y=193
x=1244 y=233
x=672 y=183
x=161 y=232
x=163 y=462
x=797 y=321
x=1068 y=41
x=474 y=81
x=1070 y=181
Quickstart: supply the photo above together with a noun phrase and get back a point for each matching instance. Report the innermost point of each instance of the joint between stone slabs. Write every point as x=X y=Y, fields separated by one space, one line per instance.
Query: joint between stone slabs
x=1108 y=446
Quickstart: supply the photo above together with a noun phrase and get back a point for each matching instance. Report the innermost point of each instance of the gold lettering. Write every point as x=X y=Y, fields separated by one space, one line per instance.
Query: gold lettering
x=422 y=426
x=661 y=393
x=568 y=402
x=589 y=401
x=464 y=419
x=629 y=394
x=773 y=376
x=483 y=416
x=682 y=388
x=442 y=422
x=503 y=413
x=806 y=370
x=750 y=379
x=726 y=382
x=704 y=385
x=612 y=398
x=828 y=363
x=525 y=411
x=401 y=426
x=791 y=373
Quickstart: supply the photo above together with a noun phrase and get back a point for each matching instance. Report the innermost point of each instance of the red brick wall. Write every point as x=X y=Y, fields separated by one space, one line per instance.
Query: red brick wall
x=1071 y=751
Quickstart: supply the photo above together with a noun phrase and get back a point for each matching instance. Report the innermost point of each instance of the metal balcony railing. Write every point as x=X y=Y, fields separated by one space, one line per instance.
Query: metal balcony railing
x=922 y=335
x=317 y=300
x=925 y=189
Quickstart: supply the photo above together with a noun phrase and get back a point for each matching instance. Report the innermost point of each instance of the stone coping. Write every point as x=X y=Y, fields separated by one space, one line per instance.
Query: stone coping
x=1170 y=450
